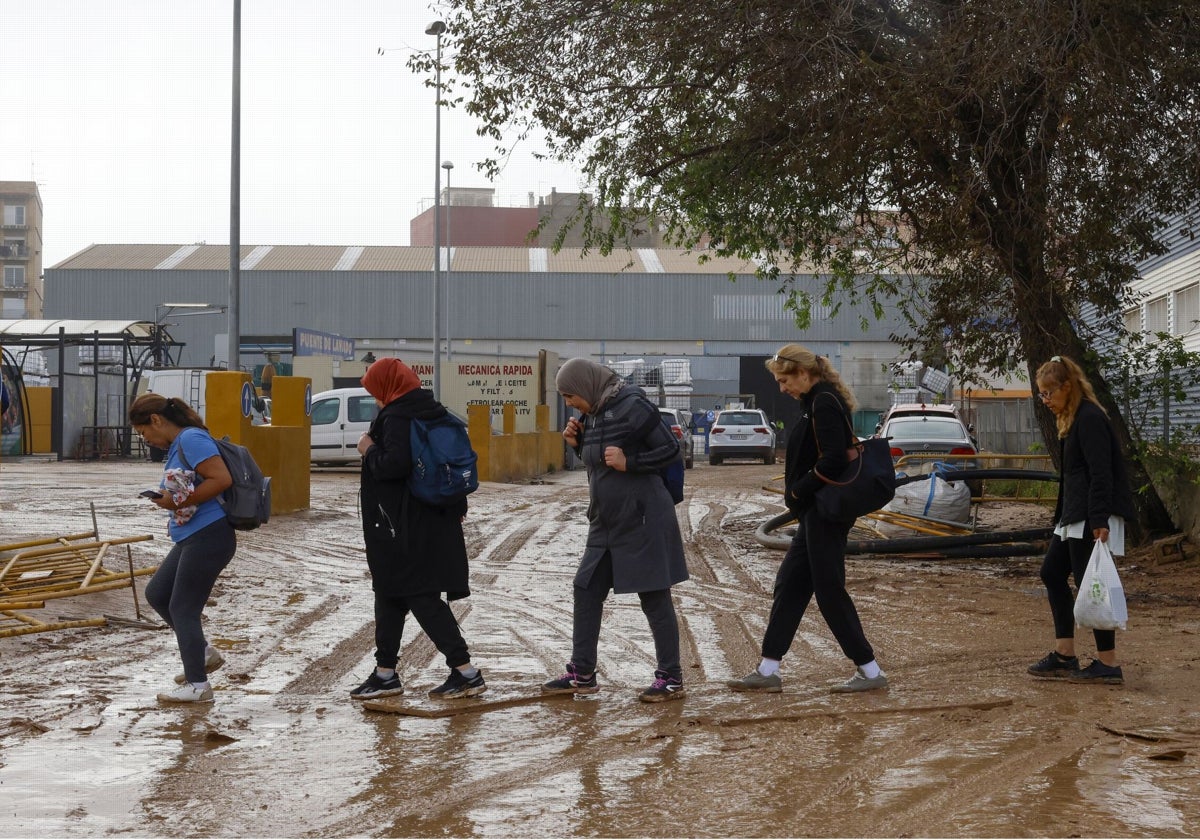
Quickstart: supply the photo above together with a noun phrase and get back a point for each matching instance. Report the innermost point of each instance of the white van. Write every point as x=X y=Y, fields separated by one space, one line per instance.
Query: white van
x=339 y=417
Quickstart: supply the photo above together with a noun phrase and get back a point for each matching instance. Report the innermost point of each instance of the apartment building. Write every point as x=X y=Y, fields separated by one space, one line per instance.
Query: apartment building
x=20 y=250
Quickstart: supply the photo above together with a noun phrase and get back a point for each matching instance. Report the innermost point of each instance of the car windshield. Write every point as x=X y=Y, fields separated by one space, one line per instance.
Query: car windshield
x=741 y=418
x=925 y=428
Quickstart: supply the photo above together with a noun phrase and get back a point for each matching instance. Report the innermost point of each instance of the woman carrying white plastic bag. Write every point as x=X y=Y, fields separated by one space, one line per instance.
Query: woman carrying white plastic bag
x=1094 y=500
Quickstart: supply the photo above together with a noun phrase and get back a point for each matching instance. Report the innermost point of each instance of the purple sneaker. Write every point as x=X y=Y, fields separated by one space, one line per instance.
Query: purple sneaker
x=571 y=683
x=664 y=687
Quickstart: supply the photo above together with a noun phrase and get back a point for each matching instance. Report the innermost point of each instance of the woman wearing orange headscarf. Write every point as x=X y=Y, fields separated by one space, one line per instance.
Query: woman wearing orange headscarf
x=415 y=551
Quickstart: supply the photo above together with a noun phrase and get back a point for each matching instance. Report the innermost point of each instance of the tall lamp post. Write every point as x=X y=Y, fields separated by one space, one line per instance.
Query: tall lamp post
x=436 y=29
x=447 y=165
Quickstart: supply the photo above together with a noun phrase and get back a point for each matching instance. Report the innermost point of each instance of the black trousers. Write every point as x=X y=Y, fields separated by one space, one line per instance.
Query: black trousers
x=815 y=565
x=589 y=608
x=435 y=618
x=1064 y=559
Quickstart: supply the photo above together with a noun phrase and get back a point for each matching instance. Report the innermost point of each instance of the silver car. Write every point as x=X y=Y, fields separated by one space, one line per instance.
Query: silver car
x=741 y=433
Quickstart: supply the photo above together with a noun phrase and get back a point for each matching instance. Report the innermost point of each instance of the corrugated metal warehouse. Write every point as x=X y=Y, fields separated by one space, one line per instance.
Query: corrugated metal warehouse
x=645 y=303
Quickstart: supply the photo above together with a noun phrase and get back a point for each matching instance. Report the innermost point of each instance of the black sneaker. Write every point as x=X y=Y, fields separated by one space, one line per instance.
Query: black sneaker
x=1055 y=666
x=664 y=687
x=377 y=686
x=1098 y=672
x=456 y=685
x=571 y=683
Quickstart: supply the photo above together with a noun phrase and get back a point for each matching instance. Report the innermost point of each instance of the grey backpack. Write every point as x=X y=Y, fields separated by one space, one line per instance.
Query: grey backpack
x=247 y=501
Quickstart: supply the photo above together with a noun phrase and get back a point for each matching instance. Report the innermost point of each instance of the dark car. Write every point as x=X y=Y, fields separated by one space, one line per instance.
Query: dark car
x=917 y=441
x=680 y=423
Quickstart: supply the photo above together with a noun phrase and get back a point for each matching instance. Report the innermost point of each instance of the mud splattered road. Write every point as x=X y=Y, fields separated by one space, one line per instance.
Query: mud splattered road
x=963 y=744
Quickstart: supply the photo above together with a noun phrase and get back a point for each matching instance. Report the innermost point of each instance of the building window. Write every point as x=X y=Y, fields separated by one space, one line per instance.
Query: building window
x=14 y=277
x=1158 y=316
x=1187 y=309
x=14 y=214
x=1133 y=320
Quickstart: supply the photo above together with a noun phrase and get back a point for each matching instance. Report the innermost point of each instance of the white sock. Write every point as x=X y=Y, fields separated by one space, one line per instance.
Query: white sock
x=385 y=673
x=200 y=686
x=469 y=671
x=768 y=667
x=870 y=670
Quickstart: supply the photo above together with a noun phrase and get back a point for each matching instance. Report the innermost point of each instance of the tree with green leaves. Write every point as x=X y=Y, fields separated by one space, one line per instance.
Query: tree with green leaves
x=992 y=170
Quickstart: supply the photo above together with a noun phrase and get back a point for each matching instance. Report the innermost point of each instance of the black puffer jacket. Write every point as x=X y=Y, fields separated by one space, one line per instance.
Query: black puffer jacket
x=412 y=548
x=1095 y=480
x=825 y=413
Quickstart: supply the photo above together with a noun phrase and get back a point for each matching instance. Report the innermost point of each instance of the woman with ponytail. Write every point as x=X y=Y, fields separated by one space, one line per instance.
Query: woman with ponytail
x=1094 y=500
x=194 y=477
x=815 y=564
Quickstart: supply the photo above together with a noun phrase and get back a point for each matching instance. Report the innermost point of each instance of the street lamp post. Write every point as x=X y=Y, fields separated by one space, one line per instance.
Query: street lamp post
x=436 y=29
x=447 y=165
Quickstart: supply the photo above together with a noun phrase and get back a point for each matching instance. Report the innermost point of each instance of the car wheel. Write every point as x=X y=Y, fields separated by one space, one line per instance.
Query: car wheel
x=770 y=459
x=689 y=462
x=714 y=460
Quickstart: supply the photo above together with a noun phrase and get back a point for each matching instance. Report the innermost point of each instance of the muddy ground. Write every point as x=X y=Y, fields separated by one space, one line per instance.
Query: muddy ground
x=963 y=744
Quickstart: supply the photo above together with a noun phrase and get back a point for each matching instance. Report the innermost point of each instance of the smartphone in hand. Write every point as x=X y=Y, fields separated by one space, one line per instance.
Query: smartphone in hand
x=150 y=494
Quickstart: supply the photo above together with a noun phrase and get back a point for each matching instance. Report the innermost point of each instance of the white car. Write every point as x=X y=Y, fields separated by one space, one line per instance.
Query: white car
x=741 y=433
x=339 y=417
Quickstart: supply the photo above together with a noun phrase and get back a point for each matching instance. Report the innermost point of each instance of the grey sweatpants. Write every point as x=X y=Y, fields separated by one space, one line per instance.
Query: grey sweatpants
x=589 y=607
x=180 y=588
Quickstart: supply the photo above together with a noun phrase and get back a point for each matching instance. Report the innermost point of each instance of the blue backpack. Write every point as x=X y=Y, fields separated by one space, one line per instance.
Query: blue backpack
x=444 y=469
x=672 y=474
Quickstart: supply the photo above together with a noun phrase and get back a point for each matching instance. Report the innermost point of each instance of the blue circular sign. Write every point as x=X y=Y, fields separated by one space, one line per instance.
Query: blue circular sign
x=247 y=398
x=308 y=400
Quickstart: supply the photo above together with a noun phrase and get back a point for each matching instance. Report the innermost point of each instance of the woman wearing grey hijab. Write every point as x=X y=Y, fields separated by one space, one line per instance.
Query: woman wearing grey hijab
x=633 y=542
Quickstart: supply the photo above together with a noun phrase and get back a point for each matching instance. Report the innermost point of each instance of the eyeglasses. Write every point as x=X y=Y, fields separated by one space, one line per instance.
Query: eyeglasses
x=779 y=358
x=1046 y=395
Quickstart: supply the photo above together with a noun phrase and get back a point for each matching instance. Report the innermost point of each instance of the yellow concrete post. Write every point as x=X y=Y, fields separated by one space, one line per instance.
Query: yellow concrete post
x=479 y=429
x=40 y=399
x=281 y=452
x=291 y=435
x=509 y=424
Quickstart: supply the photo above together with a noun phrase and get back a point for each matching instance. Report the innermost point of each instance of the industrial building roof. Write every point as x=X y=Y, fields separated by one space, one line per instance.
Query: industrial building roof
x=203 y=257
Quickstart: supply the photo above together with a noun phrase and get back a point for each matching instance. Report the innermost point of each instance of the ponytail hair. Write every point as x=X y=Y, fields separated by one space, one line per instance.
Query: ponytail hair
x=793 y=358
x=171 y=409
x=1056 y=373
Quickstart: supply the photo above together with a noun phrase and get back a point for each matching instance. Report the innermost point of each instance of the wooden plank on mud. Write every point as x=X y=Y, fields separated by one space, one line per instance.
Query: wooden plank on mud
x=450 y=708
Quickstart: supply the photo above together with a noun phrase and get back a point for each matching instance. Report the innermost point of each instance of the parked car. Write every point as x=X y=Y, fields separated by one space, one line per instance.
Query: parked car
x=741 y=433
x=681 y=424
x=923 y=410
x=932 y=435
x=339 y=417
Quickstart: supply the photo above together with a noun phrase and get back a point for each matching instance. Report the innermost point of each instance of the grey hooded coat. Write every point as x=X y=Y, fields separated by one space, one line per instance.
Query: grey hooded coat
x=631 y=513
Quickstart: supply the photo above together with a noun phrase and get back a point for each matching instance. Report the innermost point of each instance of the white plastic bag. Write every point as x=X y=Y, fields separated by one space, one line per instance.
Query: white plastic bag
x=1100 y=603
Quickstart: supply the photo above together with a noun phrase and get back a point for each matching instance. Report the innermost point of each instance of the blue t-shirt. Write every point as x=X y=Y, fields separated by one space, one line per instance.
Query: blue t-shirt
x=198 y=446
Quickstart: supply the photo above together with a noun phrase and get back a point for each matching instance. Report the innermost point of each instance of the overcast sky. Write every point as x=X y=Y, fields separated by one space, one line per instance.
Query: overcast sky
x=120 y=110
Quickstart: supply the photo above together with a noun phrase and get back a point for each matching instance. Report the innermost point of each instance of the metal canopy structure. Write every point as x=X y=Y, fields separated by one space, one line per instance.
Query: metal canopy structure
x=141 y=343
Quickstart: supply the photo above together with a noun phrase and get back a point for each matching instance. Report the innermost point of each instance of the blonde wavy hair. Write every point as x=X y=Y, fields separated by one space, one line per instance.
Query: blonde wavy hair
x=1059 y=371
x=792 y=358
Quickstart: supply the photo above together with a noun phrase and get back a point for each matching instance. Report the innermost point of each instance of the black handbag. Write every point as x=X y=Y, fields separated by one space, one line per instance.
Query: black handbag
x=866 y=484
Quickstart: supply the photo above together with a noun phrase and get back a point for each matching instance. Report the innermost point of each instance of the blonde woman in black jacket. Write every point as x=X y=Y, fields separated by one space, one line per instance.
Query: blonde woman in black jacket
x=1094 y=500
x=815 y=564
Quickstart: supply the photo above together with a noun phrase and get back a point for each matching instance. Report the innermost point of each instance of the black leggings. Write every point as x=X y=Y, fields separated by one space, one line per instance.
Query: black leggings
x=1065 y=558
x=180 y=588
x=815 y=564
x=435 y=618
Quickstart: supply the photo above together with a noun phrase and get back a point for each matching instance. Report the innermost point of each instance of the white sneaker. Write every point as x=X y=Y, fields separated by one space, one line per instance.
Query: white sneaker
x=187 y=693
x=212 y=661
